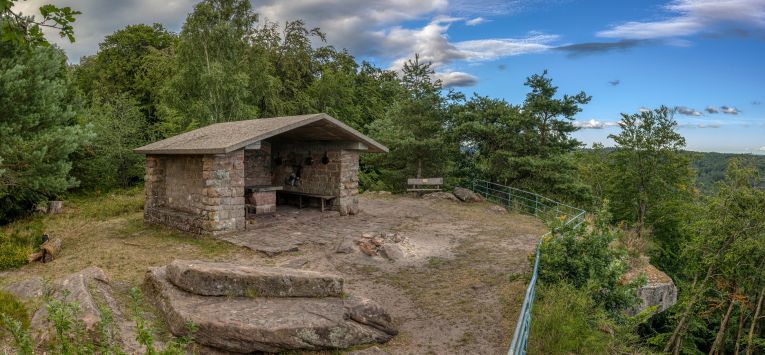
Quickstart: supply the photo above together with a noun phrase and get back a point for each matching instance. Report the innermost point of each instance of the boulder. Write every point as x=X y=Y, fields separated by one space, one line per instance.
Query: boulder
x=441 y=195
x=269 y=324
x=466 y=195
x=227 y=279
x=91 y=291
x=392 y=252
x=659 y=291
x=26 y=289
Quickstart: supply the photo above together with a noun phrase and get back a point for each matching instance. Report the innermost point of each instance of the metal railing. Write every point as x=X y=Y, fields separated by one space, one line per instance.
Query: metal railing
x=540 y=206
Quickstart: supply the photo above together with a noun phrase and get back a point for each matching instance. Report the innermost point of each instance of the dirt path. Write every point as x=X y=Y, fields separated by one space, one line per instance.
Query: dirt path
x=459 y=288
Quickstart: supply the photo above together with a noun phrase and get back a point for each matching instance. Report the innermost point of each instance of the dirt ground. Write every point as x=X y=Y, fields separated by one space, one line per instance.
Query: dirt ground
x=458 y=290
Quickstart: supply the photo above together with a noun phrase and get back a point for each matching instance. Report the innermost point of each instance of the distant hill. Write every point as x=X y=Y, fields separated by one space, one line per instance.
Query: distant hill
x=710 y=167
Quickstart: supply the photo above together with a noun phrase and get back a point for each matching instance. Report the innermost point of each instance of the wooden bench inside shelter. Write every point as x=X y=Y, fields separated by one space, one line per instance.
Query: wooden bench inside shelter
x=324 y=198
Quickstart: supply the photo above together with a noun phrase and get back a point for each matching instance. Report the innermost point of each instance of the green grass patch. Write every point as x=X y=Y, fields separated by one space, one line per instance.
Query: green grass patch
x=567 y=321
x=11 y=307
x=109 y=204
x=18 y=241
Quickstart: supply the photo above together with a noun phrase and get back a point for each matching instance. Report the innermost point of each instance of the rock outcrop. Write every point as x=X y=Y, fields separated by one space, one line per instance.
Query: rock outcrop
x=466 y=195
x=316 y=320
x=91 y=291
x=225 y=279
x=659 y=291
x=441 y=195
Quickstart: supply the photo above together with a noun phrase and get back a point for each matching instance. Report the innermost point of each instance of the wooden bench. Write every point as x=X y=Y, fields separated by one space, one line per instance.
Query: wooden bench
x=324 y=198
x=424 y=185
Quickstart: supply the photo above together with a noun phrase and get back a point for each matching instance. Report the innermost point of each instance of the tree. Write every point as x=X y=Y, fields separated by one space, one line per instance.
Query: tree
x=26 y=31
x=38 y=128
x=212 y=81
x=724 y=259
x=650 y=169
x=414 y=128
x=120 y=64
x=108 y=159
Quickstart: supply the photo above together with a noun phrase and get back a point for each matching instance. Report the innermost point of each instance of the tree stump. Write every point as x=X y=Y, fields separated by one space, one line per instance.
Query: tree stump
x=48 y=251
x=54 y=207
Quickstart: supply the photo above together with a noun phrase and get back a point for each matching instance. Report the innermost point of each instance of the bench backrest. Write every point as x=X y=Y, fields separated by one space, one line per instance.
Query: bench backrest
x=427 y=181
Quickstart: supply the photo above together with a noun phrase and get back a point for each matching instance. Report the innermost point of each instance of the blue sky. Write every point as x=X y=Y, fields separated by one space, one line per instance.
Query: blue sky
x=704 y=57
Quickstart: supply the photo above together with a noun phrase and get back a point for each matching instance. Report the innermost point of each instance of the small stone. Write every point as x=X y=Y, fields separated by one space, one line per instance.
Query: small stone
x=368 y=248
x=346 y=246
x=497 y=209
x=392 y=252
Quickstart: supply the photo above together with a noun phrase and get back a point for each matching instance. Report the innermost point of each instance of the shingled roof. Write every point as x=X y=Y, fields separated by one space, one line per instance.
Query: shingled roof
x=225 y=137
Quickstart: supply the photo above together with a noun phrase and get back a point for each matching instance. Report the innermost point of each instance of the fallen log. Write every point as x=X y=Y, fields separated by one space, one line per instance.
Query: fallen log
x=48 y=251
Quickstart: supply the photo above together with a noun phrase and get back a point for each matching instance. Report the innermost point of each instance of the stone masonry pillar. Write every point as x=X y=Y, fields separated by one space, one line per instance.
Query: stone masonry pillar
x=348 y=202
x=223 y=194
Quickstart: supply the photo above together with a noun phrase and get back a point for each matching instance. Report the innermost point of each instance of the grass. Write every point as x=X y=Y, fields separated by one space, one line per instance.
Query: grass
x=566 y=321
x=107 y=230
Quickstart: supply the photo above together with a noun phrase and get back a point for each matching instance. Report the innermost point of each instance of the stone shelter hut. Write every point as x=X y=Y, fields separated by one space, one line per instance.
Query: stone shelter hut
x=212 y=179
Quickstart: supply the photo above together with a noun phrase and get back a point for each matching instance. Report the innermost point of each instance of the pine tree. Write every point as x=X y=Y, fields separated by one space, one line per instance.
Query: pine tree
x=37 y=126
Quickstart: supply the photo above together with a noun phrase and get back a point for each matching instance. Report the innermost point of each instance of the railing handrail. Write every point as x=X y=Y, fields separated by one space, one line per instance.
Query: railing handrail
x=489 y=190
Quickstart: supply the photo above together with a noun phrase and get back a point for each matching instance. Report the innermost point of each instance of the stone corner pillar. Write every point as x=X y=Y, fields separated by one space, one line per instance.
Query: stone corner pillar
x=223 y=193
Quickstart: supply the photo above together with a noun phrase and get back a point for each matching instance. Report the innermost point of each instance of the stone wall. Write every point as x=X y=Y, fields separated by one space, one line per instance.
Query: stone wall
x=257 y=166
x=196 y=194
x=337 y=178
x=317 y=178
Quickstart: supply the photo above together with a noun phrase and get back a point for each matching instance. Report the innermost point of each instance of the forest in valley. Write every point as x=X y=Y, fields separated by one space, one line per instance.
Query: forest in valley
x=69 y=129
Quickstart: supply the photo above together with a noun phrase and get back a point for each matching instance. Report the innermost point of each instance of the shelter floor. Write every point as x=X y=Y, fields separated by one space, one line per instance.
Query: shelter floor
x=457 y=290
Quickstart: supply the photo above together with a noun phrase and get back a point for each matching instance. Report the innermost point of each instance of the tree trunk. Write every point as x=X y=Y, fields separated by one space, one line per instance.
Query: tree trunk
x=419 y=168
x=720 y=338
x=741 y=321
x=750 y=338
x=673 y=344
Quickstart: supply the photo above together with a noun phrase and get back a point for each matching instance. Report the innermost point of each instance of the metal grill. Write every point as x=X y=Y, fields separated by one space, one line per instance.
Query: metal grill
x=542 y=207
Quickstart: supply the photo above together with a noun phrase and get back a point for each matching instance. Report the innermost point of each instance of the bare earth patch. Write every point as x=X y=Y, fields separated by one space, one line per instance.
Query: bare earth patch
x=457 y=290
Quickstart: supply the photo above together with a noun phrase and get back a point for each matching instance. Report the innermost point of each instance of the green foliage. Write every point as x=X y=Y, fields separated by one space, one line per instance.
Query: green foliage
x=19 y=332
x=17 y=243
x=108 y=160
x=26 y=31
x=524 y=146
x=414 y=129
x=583 y=257
x=212 y=81
x=38 y=128
x=12 y=310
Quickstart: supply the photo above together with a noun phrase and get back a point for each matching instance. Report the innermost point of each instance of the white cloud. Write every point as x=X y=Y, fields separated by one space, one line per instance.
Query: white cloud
x=687 y=111
x=100 y=18
x=688 y=17
x=475 y=21
x=456 y=78
x=762 y=149
x=729 y=110
x=643 y=109
x=711 y=109
x=594 y=124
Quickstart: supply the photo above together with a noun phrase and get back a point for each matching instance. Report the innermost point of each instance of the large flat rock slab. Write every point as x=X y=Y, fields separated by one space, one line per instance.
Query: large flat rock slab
x=227 y=279
x=269 y=324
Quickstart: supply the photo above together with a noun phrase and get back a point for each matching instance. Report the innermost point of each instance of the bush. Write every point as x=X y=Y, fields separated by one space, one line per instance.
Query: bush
x=567 y=321
x=584 y=258
x=18 y=244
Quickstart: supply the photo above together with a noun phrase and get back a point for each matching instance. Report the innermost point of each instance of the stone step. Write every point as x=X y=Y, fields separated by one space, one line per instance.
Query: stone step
x=244 y=325
x=227 y=279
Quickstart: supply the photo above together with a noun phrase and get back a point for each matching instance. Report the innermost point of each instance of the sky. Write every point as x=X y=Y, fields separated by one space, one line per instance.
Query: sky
x=703 y=58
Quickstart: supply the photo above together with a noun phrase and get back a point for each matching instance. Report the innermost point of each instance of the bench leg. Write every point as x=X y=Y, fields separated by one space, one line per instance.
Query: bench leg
x=322 y=204
x=300 y=201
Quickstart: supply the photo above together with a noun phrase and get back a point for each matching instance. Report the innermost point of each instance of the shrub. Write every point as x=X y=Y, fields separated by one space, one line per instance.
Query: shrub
x=18 y=244
x=584 y=258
